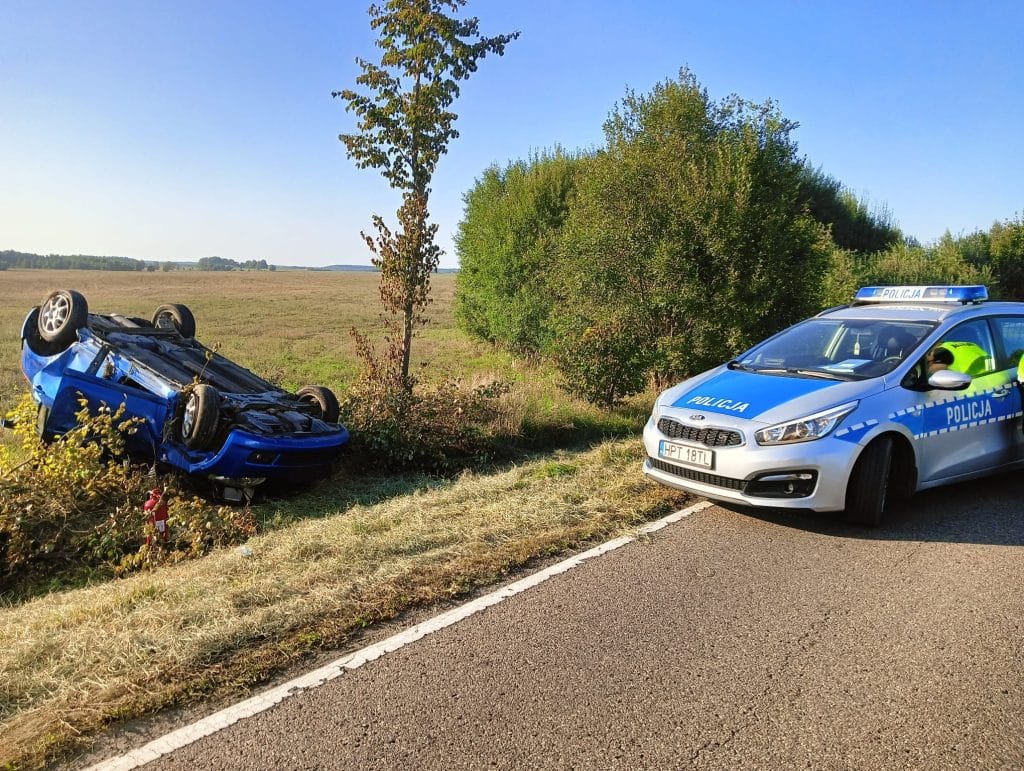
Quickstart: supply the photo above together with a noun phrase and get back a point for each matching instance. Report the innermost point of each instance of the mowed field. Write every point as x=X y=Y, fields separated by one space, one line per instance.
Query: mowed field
x=290 y=327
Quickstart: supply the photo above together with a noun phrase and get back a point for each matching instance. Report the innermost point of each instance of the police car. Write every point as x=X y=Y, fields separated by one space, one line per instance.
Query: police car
x=905 y=389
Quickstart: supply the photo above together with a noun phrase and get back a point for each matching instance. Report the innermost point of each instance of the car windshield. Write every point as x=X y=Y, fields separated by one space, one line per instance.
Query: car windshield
x=838 y=349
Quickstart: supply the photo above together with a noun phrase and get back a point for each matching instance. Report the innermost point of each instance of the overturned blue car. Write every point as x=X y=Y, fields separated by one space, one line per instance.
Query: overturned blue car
x=198 y=411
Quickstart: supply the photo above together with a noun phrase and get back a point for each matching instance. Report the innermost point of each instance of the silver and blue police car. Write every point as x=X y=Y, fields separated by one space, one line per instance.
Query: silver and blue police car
x=905 y=389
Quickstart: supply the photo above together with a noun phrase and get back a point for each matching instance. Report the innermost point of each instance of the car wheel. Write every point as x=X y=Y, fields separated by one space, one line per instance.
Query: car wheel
x=200 y=416
x=42 y=415
x=867 y=492
x=324 y=400
x=61 y=315
x=174 y=316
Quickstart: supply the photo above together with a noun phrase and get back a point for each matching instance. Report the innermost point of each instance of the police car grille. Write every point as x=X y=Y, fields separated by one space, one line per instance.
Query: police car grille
x=712 y=437
x=699 y=476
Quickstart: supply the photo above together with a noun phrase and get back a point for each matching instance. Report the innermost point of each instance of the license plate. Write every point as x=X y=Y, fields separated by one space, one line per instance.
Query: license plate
x=684 y=453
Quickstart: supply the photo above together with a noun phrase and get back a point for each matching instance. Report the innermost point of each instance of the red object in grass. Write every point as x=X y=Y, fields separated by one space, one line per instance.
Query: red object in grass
x=156 y=508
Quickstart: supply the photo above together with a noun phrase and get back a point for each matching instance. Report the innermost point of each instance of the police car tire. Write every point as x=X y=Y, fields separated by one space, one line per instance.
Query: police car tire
x=179 y=316
x=324 y=400
x=199 y=430
x=61 y=315
x=868 y=489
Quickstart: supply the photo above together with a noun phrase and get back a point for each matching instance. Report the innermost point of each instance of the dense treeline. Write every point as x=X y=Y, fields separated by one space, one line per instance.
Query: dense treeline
x=695 y=231
x=12 y=259
x=223 y=263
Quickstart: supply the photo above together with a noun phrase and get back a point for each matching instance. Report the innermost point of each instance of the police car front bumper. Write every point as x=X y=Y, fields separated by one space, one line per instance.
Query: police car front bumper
x=802 y=475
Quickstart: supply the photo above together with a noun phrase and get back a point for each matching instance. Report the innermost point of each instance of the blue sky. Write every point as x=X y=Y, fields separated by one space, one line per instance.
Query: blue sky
x=177 y=130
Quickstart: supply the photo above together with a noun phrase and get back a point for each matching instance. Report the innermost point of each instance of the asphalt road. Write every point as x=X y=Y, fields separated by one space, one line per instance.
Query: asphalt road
x=729 y=640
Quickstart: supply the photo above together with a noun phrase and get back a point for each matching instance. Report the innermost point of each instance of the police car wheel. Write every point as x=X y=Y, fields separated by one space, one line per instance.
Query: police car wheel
x=868 y=489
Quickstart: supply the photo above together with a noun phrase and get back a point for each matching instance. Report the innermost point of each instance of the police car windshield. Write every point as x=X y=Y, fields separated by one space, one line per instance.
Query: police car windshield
x=840 y=349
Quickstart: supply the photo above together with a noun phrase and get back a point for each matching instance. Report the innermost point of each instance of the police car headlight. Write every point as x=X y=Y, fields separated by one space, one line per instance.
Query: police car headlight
x=805 y=429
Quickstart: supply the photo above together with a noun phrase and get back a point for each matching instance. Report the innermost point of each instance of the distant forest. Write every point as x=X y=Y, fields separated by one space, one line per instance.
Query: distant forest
x=12 y=259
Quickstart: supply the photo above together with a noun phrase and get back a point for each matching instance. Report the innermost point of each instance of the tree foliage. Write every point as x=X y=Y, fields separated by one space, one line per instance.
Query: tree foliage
x=13 y=259
x=507 y=244
x=1006 y=247
x=692 y=233
x=404 y=126
x=854 y=225
x=687 y=239
x=225 y=264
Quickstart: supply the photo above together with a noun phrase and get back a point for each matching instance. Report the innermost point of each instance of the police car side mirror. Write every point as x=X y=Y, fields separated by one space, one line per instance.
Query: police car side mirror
x=948 y=380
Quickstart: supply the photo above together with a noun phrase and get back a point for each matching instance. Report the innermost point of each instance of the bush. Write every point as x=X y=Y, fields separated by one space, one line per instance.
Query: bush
x=605 y=363
x=1007 y=249
x=438 y=428
x=854 y=226
x=506 y=244
x=688 y=233
x=75 y=504
x=906 y=264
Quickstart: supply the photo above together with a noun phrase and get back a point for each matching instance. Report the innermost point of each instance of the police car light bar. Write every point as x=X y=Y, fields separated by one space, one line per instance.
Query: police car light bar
x=922 y=294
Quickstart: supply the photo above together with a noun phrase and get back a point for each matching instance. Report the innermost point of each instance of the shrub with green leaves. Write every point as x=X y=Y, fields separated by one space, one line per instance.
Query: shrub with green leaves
x=75 y=503
x=687 y=233
x=506 y=245
x=433 y=428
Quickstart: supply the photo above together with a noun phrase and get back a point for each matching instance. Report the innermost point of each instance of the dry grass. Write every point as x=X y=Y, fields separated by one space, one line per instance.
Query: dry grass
x=71 y=662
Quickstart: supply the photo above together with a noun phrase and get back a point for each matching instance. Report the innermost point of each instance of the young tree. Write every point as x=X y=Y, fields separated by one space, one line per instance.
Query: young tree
x=404 y=127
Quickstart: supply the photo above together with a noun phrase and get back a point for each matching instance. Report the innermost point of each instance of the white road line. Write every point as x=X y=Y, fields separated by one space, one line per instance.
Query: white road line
x=264 y=701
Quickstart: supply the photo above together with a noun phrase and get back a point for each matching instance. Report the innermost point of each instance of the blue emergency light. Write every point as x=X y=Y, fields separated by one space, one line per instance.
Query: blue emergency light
x=922 y=294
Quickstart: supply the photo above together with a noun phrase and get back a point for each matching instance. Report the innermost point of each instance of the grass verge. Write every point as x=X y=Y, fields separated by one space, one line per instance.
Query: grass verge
x=74 y=661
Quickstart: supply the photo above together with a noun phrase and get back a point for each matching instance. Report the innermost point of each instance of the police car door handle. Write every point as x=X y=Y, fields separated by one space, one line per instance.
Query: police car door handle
x=1000 y=394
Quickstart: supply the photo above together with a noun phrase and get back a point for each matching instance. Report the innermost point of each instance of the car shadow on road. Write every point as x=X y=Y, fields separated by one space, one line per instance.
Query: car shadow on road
x=988 y=511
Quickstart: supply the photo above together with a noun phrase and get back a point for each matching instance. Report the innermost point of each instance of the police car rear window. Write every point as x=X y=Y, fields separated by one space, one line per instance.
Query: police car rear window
x=839 y=349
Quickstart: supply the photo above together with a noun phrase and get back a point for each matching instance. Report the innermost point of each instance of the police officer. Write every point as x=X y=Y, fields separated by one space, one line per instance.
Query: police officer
x=938 y=358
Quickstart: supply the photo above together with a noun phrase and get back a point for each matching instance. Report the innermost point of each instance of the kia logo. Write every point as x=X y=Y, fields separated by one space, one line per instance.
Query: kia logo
x=696 y=417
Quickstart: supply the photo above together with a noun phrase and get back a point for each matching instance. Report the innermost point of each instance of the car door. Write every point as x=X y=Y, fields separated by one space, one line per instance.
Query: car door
x=1009 y=333
x=98 y=393
x=960 y=432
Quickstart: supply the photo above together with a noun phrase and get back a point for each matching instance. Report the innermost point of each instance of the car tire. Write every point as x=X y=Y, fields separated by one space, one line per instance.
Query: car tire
x=200 y=416
x=61 y=315
x=175 y=316
x=42 y=415
x=323 y=398
x=867 y=492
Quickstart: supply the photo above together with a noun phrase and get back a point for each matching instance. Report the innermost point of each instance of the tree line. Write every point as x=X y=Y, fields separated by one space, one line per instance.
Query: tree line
x=13 y=259
x=223 y=263
x=694 y=232
x=25 y=260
